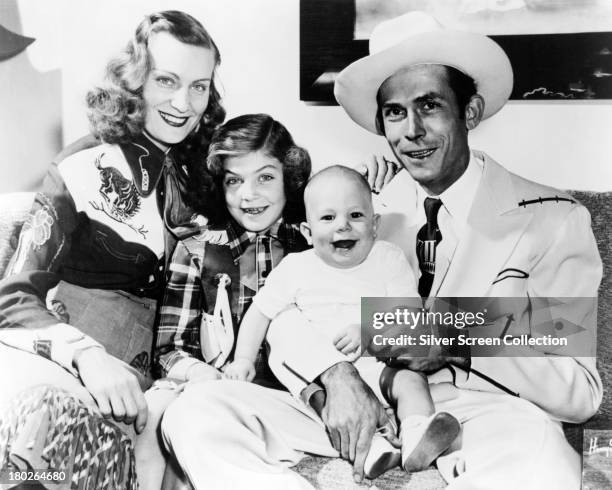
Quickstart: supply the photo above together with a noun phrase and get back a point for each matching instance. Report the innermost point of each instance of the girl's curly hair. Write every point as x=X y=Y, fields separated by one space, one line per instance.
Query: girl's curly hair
x=116 y=110
x=260 y=132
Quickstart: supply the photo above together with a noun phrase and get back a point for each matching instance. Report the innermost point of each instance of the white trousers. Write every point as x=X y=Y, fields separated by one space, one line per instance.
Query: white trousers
x=231 y=434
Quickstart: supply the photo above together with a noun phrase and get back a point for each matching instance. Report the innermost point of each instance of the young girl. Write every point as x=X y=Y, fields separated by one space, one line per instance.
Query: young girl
x=260 y=174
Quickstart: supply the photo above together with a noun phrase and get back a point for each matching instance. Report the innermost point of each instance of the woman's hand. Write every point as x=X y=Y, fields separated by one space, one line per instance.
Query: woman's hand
x=241 y=369
x=348 y=341
x=379 y=171
x=115 y=389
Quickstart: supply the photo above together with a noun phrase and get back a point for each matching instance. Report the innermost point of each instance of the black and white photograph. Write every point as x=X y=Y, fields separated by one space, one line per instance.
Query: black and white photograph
x=305 y=244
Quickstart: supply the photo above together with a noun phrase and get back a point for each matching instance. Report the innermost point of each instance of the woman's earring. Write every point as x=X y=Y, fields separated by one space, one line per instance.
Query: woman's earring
x=197 y=128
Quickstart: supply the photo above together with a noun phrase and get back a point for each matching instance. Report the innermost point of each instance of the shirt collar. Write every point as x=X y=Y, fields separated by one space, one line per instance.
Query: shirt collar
x=239 y=239
x=146 y=162
x=458 y=198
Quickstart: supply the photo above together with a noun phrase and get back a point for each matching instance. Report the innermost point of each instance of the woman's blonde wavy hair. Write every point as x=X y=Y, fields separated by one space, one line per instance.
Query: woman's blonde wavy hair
x=117 y=109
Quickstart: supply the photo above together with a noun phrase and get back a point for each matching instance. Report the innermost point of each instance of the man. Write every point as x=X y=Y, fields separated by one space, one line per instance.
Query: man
x=495 y=234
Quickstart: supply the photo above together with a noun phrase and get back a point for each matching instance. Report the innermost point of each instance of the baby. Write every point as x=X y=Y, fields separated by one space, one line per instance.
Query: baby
x=326 y=284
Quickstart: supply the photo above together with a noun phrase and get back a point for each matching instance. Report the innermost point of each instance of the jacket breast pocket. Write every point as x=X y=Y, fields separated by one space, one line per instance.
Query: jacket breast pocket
x=109 y=245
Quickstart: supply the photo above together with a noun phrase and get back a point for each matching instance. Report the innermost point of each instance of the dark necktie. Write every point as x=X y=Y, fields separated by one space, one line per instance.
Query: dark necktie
x=263 y=257
x=428 y=238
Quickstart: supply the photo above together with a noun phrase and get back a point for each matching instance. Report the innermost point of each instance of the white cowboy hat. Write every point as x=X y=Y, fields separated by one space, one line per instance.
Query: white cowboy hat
x=417 y=38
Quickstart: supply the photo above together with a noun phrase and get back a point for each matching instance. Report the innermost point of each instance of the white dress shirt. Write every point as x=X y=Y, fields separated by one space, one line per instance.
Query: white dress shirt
x=453 y=214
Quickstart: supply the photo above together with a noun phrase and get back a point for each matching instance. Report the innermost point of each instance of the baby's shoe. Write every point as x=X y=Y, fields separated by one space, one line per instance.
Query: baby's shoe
x=383 y=455
x=425 y=438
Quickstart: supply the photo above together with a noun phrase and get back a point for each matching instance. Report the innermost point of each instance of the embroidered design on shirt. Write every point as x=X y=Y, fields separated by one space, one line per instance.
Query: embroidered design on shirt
x=215 y=237
x=36 y=231
x=42 y=348
x=59 y=310
x=39 y=224
x=141 y=363
x=541 y=200
x=143 y=171
x=121 y=200
x=511 y=273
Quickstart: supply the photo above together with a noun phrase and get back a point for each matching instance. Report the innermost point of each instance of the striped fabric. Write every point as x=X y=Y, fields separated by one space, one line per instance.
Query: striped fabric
x=263 y=266
x=426 y=250
x=239 y=242
x=48 y=428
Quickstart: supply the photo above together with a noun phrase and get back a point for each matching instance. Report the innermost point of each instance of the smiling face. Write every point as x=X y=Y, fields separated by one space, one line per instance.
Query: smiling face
x=341 y=221
x=254 y=190
x=177 y=88
x=425 y=127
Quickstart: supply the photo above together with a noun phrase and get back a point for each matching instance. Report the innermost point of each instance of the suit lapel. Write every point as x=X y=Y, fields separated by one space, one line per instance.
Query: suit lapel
x=399 y=211
x=444 y=260
x=494 y=227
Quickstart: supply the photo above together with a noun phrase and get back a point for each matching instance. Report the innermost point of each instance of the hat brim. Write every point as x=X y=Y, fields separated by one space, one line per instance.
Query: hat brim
x=474 y=54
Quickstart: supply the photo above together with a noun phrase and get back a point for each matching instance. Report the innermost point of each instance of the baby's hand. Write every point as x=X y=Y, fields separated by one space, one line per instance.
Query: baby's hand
x=241 y=369
x=202 y=372
x=348 y=341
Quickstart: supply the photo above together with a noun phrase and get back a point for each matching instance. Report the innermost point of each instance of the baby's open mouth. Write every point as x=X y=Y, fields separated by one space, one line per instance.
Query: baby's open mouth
x=344 y=244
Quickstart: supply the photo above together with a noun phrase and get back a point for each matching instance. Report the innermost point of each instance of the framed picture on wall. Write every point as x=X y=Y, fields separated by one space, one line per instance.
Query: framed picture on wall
x=559 y=49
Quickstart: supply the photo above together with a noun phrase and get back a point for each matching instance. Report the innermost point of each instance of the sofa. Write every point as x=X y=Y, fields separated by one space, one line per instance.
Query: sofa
x=327 y=474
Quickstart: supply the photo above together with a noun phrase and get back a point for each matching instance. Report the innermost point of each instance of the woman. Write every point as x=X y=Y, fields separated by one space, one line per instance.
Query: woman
x=108 y=214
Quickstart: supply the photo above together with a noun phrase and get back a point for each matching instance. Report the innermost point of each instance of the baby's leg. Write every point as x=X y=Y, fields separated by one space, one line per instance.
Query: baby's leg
x=406 y=391
x=424 y=434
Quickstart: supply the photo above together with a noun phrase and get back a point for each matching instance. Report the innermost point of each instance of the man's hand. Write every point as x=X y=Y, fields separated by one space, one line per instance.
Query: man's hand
x=379 y=171
x=425 y=359
x=352 y=413
x=115 y=389
x=241 y=369
x=428 y=364
x=348 y=341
